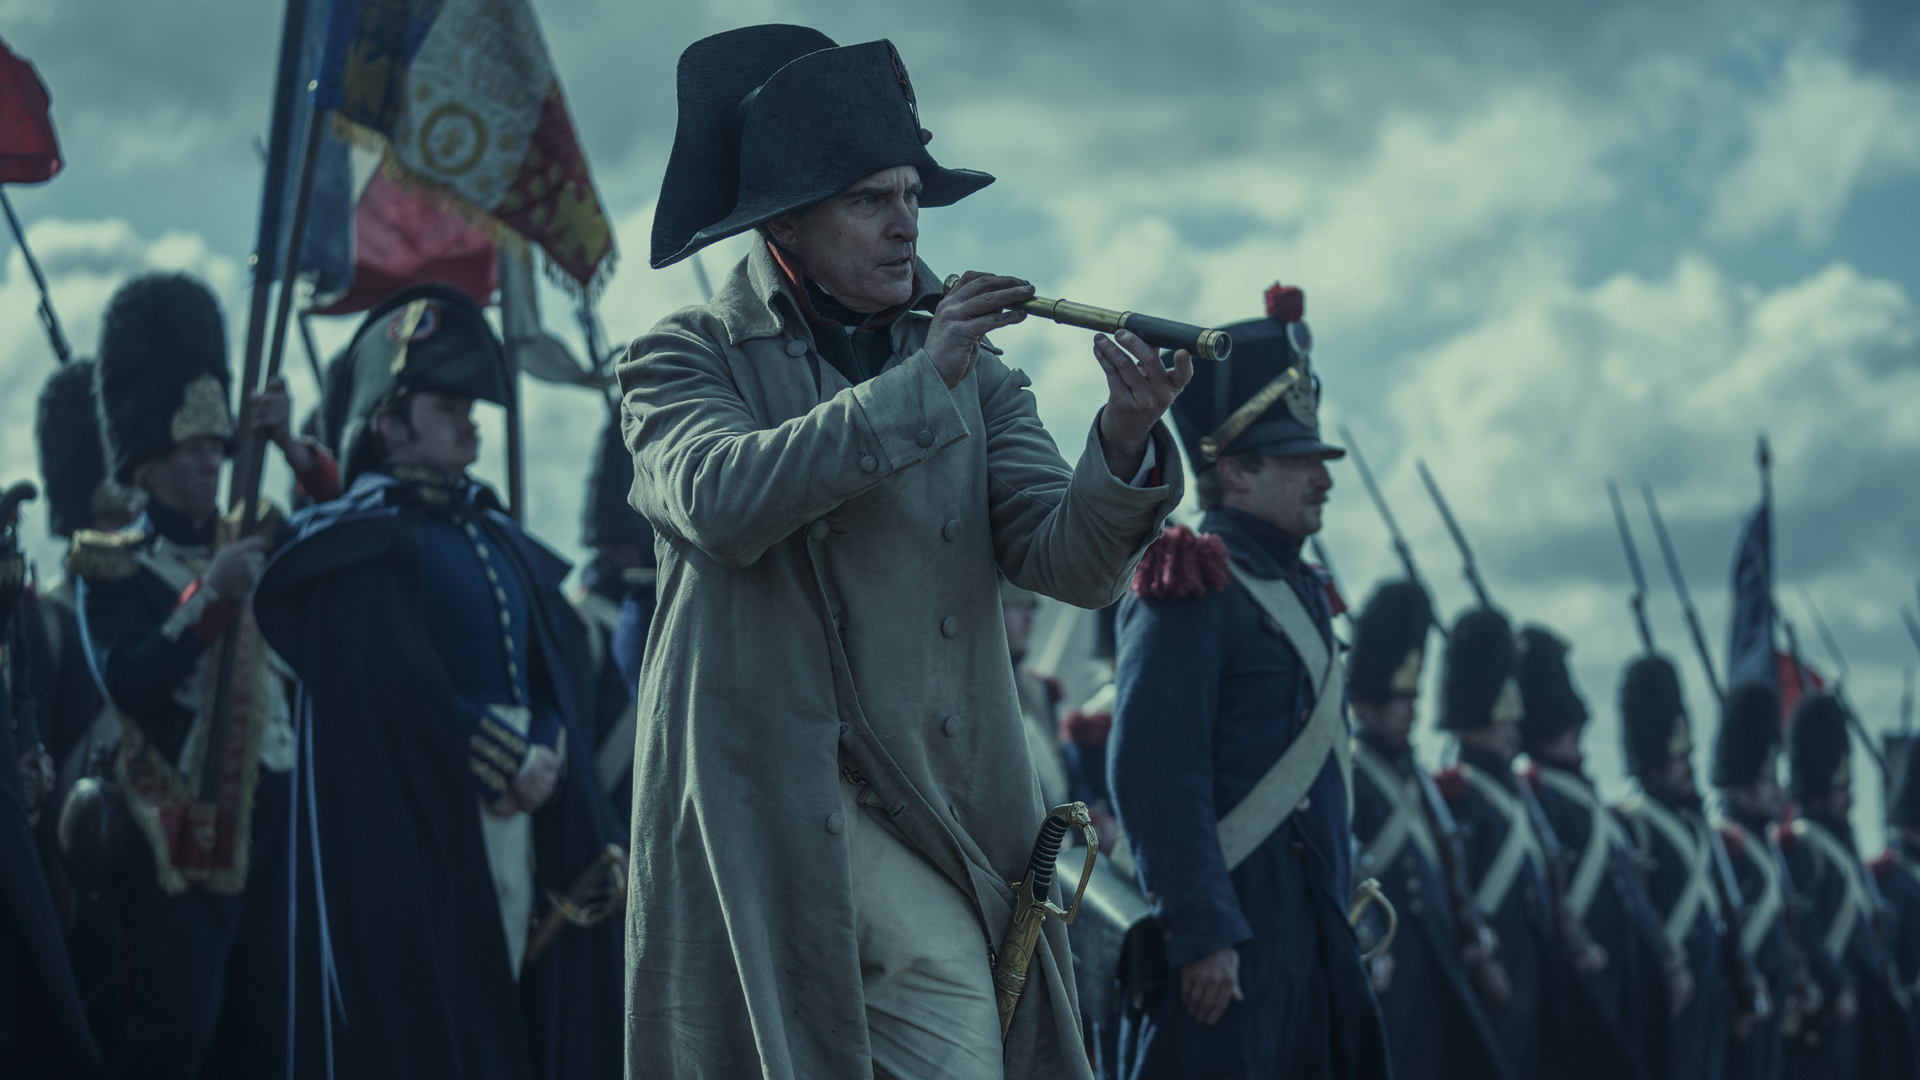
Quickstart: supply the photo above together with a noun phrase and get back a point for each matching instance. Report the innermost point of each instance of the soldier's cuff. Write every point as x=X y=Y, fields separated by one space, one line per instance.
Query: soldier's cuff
x=199 y=610
x=550 y=732
x=497 y=748
x=909 y=414
x=1193 y=936
x=319 y=481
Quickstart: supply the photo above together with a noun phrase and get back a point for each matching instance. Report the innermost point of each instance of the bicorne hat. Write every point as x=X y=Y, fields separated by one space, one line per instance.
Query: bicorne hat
x=1553 y=704
x=774 y=119
x=429 y=338
x=1748 y=744
x=162 y=378
x=73 y=463
x=610 y=519
x=1653 y=715
x=1389 y=643
x=1478 y=687
x=1818 y=752
x=1264 y=398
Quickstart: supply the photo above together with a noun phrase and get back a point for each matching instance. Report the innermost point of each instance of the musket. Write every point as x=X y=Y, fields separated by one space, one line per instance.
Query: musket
x=1160 y=333
x=1473 y=937
x=1638 y=601
x=1680 y=590
x=1400 y=547
x=1839 y=688
x=1032 y=903
x=1736 y=969
x=1467 y=566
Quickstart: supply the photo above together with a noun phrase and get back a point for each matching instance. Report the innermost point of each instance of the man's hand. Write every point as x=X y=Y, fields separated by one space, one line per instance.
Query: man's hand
x=978 y=305
x=1139 y=390
x=234 y=568
x=273 y=414
x=1210 y=984
x=1846 y=1006
x=1381 y=973
x=1489 y=975
x=539 y=775
x=1679 y=988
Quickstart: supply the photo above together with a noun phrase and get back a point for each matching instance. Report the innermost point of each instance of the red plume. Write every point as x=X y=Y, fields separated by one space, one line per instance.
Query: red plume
x=1285 y=303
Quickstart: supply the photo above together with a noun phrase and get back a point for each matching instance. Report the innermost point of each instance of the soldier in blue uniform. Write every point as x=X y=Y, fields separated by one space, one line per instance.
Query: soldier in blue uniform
x=204 y=879
x=1897 y=872
x=447 y=742
x=616 y=599
x=1229 y=750
x=1641 y=976
x=1441 y=963
x=1862 y=1029
x=1746 y=757
x=1669 y=827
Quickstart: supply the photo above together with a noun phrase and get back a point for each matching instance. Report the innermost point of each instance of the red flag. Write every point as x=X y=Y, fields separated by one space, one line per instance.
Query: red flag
x=403 y=237
x=1791 y=690
x=29 y=153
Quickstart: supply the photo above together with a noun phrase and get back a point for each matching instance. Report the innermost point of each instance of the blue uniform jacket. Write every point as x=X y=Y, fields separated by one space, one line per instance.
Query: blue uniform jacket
x=1700 y=1032
x=1898 y=874
x=1209 y=695
x=1756 y=864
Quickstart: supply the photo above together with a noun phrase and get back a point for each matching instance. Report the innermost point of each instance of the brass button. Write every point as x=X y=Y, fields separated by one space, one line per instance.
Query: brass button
x=950 y=725
x=796 y=347
x=818 y=530
x=950 y=530
x=949 y=626
x=1305 y=802
x=835 y=822
x=925 y=438
x=868 y=464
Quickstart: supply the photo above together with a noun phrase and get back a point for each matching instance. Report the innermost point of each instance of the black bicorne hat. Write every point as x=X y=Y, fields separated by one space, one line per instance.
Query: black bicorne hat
x=1817 y=747
x=1478 y=687
x=1553 y=704
x=610 y=519
x=1263 y=398
x=1389 y=643
x=162 y=378
x=1749 y=738
x=1653 y=714
x=774 y=119
x=1903 y=811
x=430 y=338
x=73 y=463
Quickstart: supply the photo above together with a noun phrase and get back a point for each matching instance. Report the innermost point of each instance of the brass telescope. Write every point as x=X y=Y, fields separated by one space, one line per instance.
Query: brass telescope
x=1160 y=333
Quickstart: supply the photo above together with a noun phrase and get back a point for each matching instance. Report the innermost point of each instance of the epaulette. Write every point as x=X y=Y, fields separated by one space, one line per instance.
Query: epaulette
x=1735 y=838
x=1182 y=563
x=1531 y=774
x=1881 y=863
x=1451 y=782
x=1783 y=835
x=104 y=556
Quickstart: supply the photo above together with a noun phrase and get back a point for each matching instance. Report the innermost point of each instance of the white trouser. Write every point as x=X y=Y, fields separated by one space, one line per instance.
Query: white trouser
x=510 y=857
x=923 y=962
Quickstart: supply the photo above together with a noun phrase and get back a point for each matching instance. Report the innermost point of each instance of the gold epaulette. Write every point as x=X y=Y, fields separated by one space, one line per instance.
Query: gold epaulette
x=266 y=525
x=103 y=556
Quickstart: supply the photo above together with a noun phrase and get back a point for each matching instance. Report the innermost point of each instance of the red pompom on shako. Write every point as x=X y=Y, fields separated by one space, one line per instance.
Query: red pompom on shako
x=1182 y=563
x=1285 y=303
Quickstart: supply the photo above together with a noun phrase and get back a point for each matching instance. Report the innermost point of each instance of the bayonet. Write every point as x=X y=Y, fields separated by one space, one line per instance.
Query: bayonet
x=1680 y=590
x=1638 y=601
x=1839 y=688
x=1468 y=568
x=1913 y=626
x=1400 y=547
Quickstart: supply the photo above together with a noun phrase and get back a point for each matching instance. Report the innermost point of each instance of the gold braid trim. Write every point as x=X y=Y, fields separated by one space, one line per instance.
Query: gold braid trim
x=104 y=556
x=1243 y=417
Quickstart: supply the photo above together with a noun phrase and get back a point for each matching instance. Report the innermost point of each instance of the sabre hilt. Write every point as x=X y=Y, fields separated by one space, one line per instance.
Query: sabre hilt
x=1205 y=343
x=1031 y=904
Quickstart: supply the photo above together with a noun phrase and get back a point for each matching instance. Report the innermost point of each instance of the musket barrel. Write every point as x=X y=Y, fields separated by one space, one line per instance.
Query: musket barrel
x=1205 y=343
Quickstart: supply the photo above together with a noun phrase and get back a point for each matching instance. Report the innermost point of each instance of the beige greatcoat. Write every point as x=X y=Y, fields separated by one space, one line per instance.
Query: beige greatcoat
x=827 y=598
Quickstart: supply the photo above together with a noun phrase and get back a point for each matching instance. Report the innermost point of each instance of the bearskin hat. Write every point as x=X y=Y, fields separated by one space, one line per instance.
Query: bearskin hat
x=1477 y=685
x=1749 y=738
x=1818 y=750
x=610 y=519
x=1653 y=714
x=73 y=463
x=162 y=378
x=1389 y=643
x=1553 y=704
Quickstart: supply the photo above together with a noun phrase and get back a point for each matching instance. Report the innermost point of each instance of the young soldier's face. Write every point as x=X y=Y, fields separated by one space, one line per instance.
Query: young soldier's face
x=187 y=480
x=859 y=244
x=1392 y=718
x=1286 y=492
x=438 y=434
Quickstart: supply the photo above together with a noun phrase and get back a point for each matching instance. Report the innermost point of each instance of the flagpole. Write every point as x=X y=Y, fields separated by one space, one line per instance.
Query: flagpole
x=313 y=352
x=289 y=274
x=512 y=278
x=47 y=317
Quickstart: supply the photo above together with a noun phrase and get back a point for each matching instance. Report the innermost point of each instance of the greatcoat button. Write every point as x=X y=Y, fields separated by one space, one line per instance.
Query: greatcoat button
x=1305 y=802
x=925 y=438
x=1296 y=848
x=797 y=347
x=949 y=626
x=868 y=464
x=950 y=725
x=950 y=530
x=836 y=822
x=818 y=530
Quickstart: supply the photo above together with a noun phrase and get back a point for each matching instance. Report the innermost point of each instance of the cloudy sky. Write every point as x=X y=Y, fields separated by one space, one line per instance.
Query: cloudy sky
x=1542 y=245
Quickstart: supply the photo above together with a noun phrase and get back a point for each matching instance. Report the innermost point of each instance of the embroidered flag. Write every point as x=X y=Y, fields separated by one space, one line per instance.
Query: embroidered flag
x=400 y=237
x=463 y=98
x=29 y=153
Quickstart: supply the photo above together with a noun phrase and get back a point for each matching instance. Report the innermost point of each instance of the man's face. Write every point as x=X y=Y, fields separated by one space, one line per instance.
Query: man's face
x=187 y=480
x=859 y=244
x=1762 y=798
x=1392 y=718
x=1676 y=776
x=1498 y=738
x=1286 y=492
x=1837 y=804
x=1563 y=751
x=438 y=434
x=1019 y=616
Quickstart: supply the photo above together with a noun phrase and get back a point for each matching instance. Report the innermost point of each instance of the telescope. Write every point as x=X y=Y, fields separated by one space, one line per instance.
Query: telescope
x=1160 y=333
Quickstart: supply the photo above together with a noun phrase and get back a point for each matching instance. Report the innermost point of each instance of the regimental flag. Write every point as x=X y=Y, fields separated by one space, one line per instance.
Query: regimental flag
x=398 y=236
x=463 y=97
x=29 y=153
x=1750 y=652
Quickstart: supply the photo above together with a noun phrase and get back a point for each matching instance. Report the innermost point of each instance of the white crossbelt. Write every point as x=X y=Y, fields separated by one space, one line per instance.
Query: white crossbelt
x=1521 y=845
x=1772 y=903
x=1280 y=791
x=1603 y=838
x=1697 y=898
x=1857 y=904
x=1408 y=822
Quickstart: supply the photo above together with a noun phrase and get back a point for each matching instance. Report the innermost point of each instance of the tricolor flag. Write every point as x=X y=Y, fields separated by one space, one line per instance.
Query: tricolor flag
x=463 y=99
